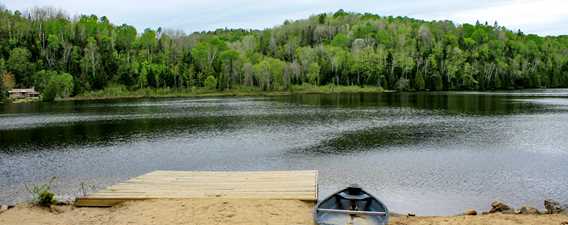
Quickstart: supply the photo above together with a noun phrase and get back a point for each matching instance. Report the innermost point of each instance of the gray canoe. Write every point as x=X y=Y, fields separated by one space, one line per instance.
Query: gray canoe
x=351 y=205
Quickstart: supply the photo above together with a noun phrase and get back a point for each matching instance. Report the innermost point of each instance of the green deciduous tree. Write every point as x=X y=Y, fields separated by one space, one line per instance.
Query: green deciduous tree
x=341 y=40
x=206 y=54
x=344 y=48
x=58 y=85
x=314 y=73
x=19 y=64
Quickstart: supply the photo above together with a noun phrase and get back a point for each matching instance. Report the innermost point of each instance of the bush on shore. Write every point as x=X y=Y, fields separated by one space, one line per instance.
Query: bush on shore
x=42 y=194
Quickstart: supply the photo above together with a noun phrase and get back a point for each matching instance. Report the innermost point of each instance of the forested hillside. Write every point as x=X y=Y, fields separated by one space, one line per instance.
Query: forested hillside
x=67 y=56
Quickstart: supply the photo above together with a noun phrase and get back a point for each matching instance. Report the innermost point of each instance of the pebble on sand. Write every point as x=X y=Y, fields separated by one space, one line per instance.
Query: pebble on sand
x=470 y=212
x=498 y=206
x=527 y=210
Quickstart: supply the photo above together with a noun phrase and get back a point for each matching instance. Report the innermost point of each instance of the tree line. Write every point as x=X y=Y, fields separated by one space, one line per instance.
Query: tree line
x=47 y=49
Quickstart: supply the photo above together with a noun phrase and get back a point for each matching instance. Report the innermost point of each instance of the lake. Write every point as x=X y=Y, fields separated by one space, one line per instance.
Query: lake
x=428 y=153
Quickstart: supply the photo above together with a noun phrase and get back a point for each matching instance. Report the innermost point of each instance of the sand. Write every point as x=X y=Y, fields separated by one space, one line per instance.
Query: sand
x=166 y=212
x=229 y=212
x=493 y=219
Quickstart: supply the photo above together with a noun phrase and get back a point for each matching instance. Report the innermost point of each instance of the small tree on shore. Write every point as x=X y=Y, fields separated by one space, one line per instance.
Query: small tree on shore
x=58 y=85
x=210 y=83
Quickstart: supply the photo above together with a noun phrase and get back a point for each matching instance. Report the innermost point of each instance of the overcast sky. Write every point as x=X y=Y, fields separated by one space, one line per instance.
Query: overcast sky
x=544 y=17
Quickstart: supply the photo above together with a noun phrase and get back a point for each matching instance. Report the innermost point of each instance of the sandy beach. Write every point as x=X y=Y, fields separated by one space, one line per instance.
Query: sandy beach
x=229 y=212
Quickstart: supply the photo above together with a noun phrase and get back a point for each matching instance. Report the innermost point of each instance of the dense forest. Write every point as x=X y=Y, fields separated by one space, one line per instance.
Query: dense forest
x=62 y=55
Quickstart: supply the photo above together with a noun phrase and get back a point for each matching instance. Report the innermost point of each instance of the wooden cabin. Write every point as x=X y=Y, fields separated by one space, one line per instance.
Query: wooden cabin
x=23 y=93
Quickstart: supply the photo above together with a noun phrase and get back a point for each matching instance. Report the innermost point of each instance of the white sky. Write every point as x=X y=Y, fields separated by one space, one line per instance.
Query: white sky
x=544 y=17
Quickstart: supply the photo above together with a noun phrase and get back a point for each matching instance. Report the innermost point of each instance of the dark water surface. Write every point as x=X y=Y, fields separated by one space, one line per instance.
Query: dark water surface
x=429 y=153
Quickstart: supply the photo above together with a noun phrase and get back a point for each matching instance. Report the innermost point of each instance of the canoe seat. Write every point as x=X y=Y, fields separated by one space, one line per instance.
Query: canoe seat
x=358 y=197
x=353 y=212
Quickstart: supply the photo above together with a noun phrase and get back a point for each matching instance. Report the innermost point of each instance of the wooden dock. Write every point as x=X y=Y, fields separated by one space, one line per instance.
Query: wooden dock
x=290 y=185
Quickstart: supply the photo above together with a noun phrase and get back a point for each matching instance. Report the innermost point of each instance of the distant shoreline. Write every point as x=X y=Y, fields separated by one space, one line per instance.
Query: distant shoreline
x=123 y=93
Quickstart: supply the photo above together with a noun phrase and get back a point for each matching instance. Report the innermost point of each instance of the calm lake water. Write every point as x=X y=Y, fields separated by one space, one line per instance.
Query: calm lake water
x=429 y=153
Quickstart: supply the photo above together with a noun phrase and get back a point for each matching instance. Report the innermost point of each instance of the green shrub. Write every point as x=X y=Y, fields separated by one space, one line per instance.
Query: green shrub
x=56 y=85
x=49 y=93
x=42 y=194
x=210 y=83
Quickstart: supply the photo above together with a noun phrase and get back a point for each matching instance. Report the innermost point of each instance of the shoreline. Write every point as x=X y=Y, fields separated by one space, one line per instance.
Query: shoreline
x=157 y=93
x=235 y=211
x=113 y=93
x=122 y=93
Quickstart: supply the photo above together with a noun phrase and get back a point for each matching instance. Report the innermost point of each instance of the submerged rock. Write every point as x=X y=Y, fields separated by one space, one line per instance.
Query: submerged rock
x=501 y=207
x=470 y=212
x=528 y=210
x=553 y=207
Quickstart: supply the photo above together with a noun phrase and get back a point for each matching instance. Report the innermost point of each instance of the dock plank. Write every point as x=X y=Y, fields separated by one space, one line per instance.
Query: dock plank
x=289 y=185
